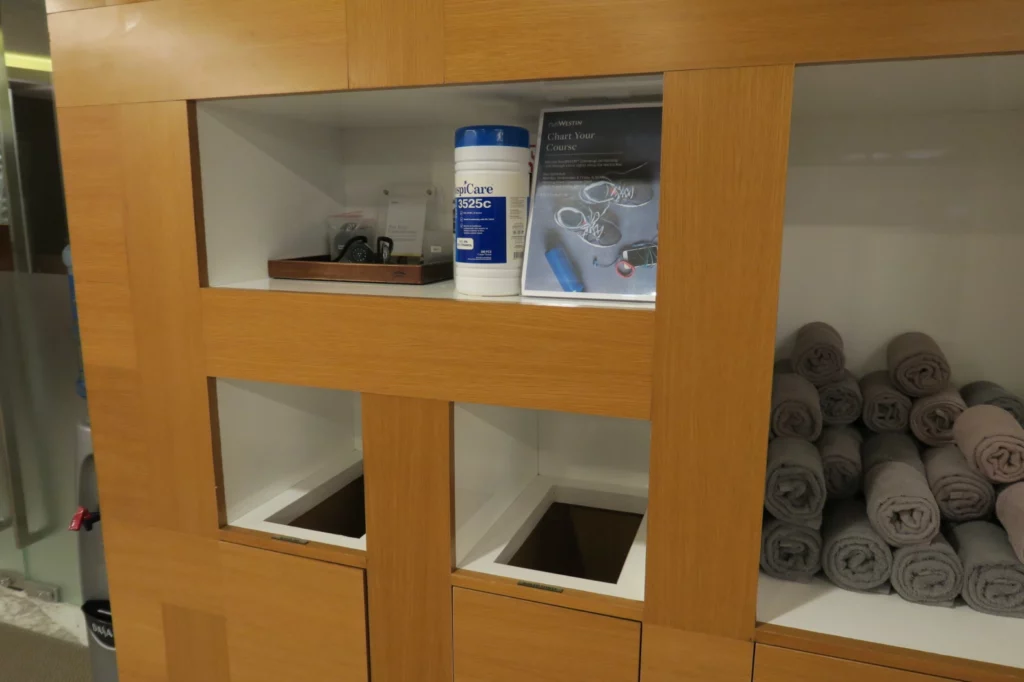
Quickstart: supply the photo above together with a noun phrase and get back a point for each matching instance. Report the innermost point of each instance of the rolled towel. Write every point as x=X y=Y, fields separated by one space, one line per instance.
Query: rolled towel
x=992 y=441
x=789 y=551
x=1010 y=511
x=841 y=401
x=795 y=407
x=928 y=574
x=991 y=393
x=993 y=576
x=840 y=458
x=886 y=410
x=916 y=364
x=900 y=504
x=818 y=353
x=853 y=555
x=932 y=417
x=961 y=492
x=783 y=366
x=794 y=489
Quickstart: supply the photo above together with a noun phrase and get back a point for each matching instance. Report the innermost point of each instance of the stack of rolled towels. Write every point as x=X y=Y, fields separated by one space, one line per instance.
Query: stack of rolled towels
x=897 y=481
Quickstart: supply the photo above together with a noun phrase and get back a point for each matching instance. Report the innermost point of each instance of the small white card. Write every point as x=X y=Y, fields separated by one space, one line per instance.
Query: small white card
x=407 y=220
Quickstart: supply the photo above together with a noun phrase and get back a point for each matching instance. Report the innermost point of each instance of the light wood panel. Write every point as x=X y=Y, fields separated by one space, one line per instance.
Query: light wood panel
x=882 y=655
x=196 y=49
x=69 y=5
x=164 y=279
x=196 y=645
x=500 y=639
x=494 y=40
x=291 y=618
x=395 y=43
x=536 y=356
x=92 y=170
x=772 y=664
x=105 y=323
x=724 y=145
x=571 y=599
x=311 y=550
x=676 y=656
x=410 y=540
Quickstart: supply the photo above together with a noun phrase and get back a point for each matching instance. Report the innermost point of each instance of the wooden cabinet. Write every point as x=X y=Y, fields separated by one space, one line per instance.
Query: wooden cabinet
x=774 y=664
x=290 y=618
x=500 y=639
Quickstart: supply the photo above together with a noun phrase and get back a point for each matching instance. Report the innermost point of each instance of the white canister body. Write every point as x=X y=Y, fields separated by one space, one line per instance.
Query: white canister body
x=492 y=189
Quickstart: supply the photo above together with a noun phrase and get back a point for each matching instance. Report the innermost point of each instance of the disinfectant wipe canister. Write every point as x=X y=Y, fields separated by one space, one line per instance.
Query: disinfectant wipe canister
x=492 y=185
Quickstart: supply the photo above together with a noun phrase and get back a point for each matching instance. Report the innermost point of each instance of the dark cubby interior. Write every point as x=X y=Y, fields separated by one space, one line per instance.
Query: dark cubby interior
x=578 y=541
x=343 y=513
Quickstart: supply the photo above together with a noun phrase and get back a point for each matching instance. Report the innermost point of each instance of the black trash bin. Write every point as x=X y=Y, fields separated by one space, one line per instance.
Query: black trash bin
x=100 y=624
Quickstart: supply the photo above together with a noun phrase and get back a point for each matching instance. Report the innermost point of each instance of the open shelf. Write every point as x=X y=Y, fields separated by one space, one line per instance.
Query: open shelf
x=292 y=461
x=904 y=212
x=516 y=471
x=274 y=168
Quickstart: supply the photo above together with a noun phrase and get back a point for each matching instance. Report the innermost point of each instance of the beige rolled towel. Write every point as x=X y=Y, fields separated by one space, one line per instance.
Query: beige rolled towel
x=991 y=393
x=886 y=410
x=961 y=492
x=992 y=441
x=796 y=411
x=841 y=401
x=840 y=457
x=917 y=365
x=900 y=505
x=932 y=417
x=993 y=576
x=1010 y=512
x=794 y=485
x=818 y=353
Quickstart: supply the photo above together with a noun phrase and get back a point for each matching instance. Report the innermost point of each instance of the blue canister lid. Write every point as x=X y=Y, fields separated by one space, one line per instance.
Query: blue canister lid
x=492 y=136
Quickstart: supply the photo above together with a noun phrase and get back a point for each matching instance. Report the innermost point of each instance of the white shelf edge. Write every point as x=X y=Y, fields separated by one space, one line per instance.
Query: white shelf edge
x=522 y=515
x=960 y=631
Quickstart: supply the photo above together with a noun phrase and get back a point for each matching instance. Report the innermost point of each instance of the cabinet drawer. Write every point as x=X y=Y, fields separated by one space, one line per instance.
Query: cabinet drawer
x=501 y=639
x=772 y=664
x=290 y=618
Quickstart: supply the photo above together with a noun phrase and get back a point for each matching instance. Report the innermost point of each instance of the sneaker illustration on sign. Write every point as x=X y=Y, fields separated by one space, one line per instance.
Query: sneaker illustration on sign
x=594 y=227
x=622 y=192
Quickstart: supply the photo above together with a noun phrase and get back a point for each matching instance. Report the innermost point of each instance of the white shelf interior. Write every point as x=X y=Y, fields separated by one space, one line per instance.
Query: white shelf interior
x=904 y=211
x=887 y=619
x=273 y=168
x=284 y=450
x=511 y=464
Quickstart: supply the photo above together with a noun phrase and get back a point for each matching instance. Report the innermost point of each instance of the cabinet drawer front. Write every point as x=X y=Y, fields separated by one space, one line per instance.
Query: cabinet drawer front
x=772 y=664
x=501 y=639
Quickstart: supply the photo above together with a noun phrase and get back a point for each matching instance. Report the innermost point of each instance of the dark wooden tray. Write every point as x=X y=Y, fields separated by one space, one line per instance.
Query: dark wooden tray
x=320 y=268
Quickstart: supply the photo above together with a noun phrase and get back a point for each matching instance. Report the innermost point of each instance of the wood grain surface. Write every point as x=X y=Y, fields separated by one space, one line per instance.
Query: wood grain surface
x=574 y=359
x=772 y=664
x=410 y=539
x=567 y=598
x=724 y=144
x=495 y=40
x=196 y=643
x=320 y=551
x=395 y=43
x=675 y=656
x=197 y=49
x=292 y=619
x=883 y=655
x=500 y=639
x=68 y=5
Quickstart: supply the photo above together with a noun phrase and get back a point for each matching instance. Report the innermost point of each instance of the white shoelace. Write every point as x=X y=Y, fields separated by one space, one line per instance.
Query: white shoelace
x=614 y=192
x=588 y=224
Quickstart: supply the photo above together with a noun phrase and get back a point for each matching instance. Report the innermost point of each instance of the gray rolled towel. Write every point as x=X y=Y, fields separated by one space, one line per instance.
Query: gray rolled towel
x=840 y=458
x=794 y=489
x=991 y=393
x=900 y=504
x=928 y=574
x=853 y=555
x=992 y=441
x=993 y=576
x=841 y=401
x=818 y=353
x=1010 y=512
x=886 y=410
x=932 y=417
x=917 y=365
x=961 y=492
x=795 y=408
x=789 y=551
